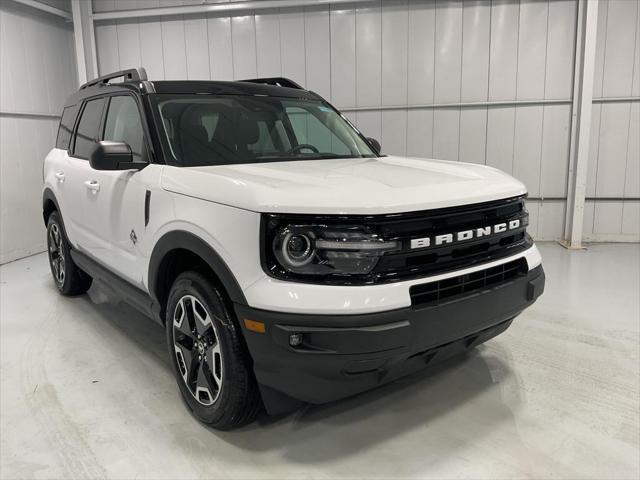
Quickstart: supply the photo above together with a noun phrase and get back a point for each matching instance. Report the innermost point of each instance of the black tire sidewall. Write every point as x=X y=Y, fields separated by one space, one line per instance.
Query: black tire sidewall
x=65 y=286
x=192 y=283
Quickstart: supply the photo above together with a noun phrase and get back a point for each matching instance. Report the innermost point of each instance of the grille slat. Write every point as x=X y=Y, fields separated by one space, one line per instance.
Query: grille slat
x=434 y=293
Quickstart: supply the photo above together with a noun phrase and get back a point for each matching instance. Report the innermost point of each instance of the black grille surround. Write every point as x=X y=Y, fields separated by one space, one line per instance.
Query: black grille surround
x=408 y=263
x=448 y=289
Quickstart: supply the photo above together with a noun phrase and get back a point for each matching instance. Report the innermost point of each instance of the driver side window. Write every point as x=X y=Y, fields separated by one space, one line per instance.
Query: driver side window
x=123 y=124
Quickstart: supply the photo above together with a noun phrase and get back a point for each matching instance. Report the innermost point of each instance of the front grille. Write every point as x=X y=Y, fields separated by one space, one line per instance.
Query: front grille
x=407 y=262
x=434 y=293
x=415 y=263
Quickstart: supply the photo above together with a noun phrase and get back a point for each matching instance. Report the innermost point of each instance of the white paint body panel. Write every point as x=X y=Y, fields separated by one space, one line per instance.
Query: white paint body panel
x=344 y=186
x=223 y=204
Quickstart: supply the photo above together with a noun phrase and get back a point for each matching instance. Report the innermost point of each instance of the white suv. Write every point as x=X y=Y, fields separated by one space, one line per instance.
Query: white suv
x=288 y=260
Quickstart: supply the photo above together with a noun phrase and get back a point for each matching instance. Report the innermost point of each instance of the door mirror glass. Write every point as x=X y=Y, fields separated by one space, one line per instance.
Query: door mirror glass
x=375 y=144
x=108 y=155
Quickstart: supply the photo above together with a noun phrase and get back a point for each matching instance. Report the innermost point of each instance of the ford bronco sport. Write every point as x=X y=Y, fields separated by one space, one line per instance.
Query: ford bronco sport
x=288 y=260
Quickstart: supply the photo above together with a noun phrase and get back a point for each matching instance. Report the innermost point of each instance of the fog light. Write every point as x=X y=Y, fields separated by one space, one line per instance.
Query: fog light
x=295 y=339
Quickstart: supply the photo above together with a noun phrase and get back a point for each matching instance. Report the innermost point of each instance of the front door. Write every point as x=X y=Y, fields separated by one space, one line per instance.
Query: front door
x=116 y=219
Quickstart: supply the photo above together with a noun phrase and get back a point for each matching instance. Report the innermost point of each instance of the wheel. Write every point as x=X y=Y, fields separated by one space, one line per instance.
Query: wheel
x=69 y=279
x=209 y=357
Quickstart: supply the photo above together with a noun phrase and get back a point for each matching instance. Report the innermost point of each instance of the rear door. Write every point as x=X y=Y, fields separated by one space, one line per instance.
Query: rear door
x=79 y=194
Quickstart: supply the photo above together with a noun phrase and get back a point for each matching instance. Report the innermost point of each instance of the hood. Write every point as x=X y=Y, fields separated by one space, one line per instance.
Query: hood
x=344 y=186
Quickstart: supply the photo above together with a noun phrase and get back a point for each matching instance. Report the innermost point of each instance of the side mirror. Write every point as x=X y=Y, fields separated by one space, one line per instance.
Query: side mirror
x=375 y=144
x=108 y=155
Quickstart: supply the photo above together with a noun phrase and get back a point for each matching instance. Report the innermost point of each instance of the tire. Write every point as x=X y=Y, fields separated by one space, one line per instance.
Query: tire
x=209 y=357
x=69 y=279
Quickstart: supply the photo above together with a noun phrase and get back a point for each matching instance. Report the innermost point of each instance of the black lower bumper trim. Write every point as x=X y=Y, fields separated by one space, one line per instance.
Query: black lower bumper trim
x=341 y=355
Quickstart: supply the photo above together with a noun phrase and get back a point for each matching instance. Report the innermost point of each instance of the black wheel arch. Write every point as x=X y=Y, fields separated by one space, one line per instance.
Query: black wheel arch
x=49 y=204
x=160 y=265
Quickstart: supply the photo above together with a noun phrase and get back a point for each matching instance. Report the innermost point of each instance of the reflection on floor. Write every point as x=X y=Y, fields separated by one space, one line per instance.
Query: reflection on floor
x=87 y=391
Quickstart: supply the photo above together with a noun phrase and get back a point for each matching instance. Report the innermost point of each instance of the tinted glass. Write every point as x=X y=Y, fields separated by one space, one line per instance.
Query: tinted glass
x=123 y=124
x=66 y=126
x=230 y=129
x=87 y=135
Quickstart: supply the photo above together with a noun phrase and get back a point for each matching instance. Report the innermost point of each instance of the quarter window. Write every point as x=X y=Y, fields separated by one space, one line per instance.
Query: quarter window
x=87 y=134
x=66 y=127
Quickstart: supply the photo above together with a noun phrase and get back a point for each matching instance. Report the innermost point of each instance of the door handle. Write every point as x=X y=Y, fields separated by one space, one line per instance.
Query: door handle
x=92 y=185
x=60 y=176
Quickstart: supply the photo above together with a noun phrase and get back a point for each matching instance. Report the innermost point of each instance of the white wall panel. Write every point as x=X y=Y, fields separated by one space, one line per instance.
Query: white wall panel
x=220 y=48
x=607 y=217
x=107 y=47
x=395 y=27
x=551 y=215
x=500 y=131
x=292 y=40
x=555 y=150
x=369 y=55
x=343 y=57
x=473 y=135
x=128 y=35
x=630 y=218
x=318 y=50
x=394 y=132
x=503 y=61
x=421 y=51
x=37 y=74
x=476 y=28
x=560 y=48
x=614 y=163
x=150 y=55
x=619 y=48
x=532 y=49
x=448 y=64
x=196 y=41
x=612 y=152
x=446 y=133
x=370 y=124
x=527 y=148
x=268 y=44
x=420 y=133
x=174 y=48
x=632 y=173
x=243 y=36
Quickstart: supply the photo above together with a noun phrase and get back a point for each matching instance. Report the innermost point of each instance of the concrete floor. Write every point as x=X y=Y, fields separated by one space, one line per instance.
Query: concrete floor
x=87 y=392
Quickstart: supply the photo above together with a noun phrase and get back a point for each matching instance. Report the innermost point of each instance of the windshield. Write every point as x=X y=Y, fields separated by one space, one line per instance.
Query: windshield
x=230 y=129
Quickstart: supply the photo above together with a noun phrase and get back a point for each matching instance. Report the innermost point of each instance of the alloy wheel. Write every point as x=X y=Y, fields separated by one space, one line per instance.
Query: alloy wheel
x=197 y=350
x=56 y=253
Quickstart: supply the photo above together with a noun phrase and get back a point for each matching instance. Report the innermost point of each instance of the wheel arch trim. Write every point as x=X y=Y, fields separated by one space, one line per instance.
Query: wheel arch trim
x=49 y=196
x=183 y=240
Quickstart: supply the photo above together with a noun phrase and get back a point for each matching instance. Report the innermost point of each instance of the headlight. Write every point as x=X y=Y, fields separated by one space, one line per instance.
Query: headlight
x=317 y=251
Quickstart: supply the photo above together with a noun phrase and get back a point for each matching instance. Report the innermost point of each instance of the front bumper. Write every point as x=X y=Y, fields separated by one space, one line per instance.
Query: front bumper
x=342 y=355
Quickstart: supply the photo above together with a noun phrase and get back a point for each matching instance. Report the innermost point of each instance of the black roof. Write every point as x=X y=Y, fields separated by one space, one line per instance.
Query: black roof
x=136 y=80
x=230 y=88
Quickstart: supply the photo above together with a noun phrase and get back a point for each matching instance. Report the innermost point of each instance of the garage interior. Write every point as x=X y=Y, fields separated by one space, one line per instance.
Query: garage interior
x=548 y=91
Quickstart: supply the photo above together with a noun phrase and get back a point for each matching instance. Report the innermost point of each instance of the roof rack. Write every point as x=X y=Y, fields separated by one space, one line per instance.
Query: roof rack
x=277 y=81
x=135 y=74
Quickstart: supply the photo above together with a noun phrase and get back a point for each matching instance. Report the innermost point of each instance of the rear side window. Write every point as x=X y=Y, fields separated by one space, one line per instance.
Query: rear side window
x=87 y=134
x=65 y=129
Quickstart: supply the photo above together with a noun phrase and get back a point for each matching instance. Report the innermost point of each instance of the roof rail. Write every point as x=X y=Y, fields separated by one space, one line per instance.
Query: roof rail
x=135 y=74
x=277 y=81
